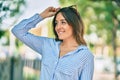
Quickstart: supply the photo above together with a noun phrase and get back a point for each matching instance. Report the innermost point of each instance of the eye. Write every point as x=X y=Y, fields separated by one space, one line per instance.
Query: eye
x=63 y=22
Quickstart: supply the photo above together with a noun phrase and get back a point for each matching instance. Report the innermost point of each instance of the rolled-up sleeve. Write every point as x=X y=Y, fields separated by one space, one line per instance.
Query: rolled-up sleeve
x=21 y=32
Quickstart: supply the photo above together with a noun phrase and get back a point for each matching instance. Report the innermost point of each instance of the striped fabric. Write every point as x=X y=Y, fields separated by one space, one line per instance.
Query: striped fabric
x=75 y=65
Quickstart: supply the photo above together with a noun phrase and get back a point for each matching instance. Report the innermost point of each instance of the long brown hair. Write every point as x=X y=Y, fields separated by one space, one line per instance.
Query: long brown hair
x=73 y=18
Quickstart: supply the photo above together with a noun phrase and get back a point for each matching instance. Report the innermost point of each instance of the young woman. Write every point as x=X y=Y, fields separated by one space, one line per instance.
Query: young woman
x=66 y=57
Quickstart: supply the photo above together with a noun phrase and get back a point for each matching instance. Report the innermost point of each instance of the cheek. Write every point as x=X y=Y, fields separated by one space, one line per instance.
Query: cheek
x=70 y=30
x=55 y=29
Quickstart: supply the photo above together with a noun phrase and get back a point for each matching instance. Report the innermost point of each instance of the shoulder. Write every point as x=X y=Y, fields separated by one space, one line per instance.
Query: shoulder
x=85 y=52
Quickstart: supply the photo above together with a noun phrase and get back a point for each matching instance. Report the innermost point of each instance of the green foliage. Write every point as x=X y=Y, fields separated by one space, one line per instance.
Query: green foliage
x=91 y=46
x=18 y=43
x=10 y=8
x=31 y=76
x=50 y=29
x=2 y=33
x=6 y=34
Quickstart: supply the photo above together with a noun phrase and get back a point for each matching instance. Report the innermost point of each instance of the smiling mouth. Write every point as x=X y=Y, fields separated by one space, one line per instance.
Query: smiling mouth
x=60 y=32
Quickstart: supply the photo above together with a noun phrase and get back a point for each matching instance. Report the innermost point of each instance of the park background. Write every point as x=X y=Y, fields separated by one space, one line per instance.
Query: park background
x=102 y=34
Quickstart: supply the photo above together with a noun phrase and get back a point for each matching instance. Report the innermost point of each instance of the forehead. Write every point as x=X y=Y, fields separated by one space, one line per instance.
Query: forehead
x=59 y=16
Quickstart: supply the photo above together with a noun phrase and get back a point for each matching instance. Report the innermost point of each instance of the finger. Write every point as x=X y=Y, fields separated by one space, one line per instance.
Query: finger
x=52 y=9
x=57 y=9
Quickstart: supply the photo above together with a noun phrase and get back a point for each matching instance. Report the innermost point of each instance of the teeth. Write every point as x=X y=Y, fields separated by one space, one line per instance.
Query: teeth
x=60 y=32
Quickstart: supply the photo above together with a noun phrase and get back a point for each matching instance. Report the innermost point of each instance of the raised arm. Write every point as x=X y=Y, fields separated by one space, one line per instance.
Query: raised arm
x=21 y=29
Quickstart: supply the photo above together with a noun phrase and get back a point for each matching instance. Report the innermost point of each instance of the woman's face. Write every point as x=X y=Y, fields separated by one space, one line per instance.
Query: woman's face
x=62 y=28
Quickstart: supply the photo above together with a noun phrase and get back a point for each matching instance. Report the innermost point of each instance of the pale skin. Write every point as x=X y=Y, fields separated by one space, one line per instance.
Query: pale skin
x=63 y=29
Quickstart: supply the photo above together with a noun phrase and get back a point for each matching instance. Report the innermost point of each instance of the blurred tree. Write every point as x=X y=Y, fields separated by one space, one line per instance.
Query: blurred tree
x=101 y=17
x=10 y=11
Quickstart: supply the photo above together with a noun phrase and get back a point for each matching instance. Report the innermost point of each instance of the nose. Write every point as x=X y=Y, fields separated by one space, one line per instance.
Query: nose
x=58 y=25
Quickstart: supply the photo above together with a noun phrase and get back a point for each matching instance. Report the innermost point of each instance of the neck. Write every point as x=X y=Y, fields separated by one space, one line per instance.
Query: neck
x=70 y=43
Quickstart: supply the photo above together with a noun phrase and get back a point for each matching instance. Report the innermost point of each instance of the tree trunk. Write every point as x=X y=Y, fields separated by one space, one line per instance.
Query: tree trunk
x=114 y=45
x=114 y=53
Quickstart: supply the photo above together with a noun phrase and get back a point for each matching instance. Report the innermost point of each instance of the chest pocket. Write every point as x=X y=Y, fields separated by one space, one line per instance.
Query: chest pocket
x=67 y=73
x=69 y=70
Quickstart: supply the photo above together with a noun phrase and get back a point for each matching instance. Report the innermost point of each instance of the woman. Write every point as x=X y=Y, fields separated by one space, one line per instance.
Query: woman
x=66 y=57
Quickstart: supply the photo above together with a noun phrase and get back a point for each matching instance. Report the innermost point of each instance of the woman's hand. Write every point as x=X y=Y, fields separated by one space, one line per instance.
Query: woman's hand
x=49 y=12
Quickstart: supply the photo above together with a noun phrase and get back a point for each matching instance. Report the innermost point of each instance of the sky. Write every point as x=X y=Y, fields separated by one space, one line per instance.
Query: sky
x=37 y=6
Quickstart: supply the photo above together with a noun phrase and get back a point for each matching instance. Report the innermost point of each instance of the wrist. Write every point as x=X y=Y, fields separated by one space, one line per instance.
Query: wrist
x=42 y=15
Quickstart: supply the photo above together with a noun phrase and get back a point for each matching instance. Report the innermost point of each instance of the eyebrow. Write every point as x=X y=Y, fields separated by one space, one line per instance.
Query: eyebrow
x=61 y=20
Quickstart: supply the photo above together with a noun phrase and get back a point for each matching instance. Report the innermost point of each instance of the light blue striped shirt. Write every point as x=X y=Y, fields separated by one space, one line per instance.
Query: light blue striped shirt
x=75 y=65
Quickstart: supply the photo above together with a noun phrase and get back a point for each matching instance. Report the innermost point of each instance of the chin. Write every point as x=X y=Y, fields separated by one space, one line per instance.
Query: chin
x=60 y=38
